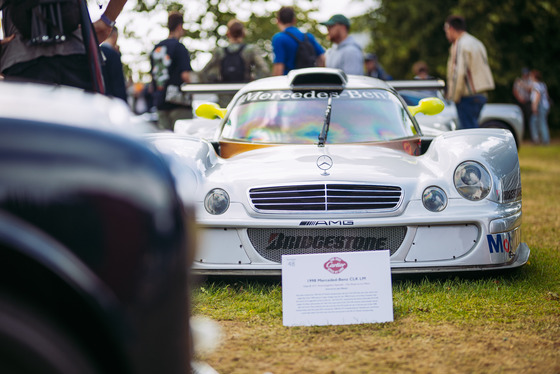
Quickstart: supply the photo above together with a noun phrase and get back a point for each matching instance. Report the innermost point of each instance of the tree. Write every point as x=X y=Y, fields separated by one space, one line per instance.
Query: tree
x=205 y=24
x=516 y=33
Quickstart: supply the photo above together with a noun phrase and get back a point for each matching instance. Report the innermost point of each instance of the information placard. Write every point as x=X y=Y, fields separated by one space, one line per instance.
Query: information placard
x=336 y=288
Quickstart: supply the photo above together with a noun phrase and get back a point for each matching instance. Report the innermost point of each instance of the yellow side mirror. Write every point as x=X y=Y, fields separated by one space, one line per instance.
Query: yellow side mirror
x=210 y=111
x=428 y=106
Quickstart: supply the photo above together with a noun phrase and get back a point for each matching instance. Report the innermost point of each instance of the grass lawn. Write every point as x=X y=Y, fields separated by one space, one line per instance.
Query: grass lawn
x=491 y=323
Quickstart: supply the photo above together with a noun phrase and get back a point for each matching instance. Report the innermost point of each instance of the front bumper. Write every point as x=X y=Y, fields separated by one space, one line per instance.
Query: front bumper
x=521 y=257
x=431 y=242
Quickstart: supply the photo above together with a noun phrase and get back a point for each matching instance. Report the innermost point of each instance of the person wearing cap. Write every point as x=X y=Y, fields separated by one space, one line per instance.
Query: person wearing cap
x=285 y=46
x=346 y=54
x=374 y=69
x=522 y=93
x=468 y=73
x=171 y=66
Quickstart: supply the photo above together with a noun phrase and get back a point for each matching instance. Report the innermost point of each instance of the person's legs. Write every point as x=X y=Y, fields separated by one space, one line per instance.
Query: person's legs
x=527 y=111
x=164 y=120
x=180 y=113
x=534 y=129
x=543 y=125
x=468 y=110
x=167 y=118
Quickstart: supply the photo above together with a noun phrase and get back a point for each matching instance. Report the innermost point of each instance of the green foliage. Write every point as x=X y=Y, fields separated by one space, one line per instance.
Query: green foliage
x=516 y=33
x=206 y=20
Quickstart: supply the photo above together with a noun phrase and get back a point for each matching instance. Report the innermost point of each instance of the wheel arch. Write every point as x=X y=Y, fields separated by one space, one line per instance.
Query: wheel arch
x=494 y=123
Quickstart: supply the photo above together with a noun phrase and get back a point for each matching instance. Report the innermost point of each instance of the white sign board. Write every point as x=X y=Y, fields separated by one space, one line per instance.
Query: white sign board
x=336 y=288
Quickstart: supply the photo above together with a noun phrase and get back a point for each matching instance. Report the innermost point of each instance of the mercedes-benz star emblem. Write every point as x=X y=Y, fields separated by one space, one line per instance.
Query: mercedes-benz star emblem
x=324 y=163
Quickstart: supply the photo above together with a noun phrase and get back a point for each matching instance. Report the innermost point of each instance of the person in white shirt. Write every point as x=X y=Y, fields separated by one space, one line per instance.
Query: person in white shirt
x=468 y=73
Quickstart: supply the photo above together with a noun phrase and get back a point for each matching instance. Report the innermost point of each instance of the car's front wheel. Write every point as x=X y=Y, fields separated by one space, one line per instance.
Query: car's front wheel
x=30 y=343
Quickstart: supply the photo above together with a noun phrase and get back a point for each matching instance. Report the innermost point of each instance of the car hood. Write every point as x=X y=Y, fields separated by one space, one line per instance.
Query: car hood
x=198 y=169
x=305 y=163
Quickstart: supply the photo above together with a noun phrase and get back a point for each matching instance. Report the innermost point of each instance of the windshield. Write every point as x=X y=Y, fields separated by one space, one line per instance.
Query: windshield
x=288 y=117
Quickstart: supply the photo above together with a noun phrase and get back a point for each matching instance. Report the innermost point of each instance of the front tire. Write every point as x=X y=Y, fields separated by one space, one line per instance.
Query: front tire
x=30 y=343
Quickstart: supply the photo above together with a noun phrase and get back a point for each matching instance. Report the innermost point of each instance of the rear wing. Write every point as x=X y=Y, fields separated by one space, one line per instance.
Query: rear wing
x=232 y=88
x=417 y=84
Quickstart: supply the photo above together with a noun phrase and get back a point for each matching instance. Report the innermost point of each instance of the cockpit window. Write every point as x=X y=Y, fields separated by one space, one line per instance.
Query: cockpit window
x=287 y=117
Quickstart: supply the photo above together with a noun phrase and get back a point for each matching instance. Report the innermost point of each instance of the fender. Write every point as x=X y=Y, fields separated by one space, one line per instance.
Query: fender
x=499 y=155
x=188 y=157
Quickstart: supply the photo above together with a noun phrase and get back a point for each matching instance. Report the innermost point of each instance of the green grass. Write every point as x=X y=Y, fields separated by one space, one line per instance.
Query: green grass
x=242 y=300
x=467 y=323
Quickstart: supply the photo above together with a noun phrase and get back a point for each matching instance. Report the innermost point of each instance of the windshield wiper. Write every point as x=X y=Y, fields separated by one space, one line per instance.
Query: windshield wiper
x=326 y=124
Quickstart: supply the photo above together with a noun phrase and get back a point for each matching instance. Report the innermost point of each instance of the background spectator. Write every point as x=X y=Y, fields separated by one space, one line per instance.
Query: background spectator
x=113 y=74
x=421 y=70
x=346 y=54
x=468 y=72
x=374 y=69
x=540 y=105
x=171 y=67
x=285 y=47
x=236 y=63
x=522 y=93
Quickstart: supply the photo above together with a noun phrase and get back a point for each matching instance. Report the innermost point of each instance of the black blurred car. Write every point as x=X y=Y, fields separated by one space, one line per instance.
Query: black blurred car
x=94 y=241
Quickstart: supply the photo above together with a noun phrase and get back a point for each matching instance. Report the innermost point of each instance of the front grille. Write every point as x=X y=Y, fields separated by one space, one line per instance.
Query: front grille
x=273 y=243
x=326 y=197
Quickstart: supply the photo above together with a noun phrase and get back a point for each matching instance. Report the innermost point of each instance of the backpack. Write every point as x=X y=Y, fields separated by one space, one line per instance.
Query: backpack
x=233 y=66
x=163 y=91
x=44 y=21
x=305 y=53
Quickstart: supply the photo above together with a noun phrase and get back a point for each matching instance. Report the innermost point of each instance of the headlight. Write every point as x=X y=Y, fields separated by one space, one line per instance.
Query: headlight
x=434 y=199
x=472 y=181
x=216 y=201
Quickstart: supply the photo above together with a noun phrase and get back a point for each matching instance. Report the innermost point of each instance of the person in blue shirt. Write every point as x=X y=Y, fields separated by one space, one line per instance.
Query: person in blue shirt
x=374 y=69
x=285 y=47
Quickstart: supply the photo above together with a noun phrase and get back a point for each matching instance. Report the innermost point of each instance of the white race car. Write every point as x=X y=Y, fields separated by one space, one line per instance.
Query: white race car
x=320 y=162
